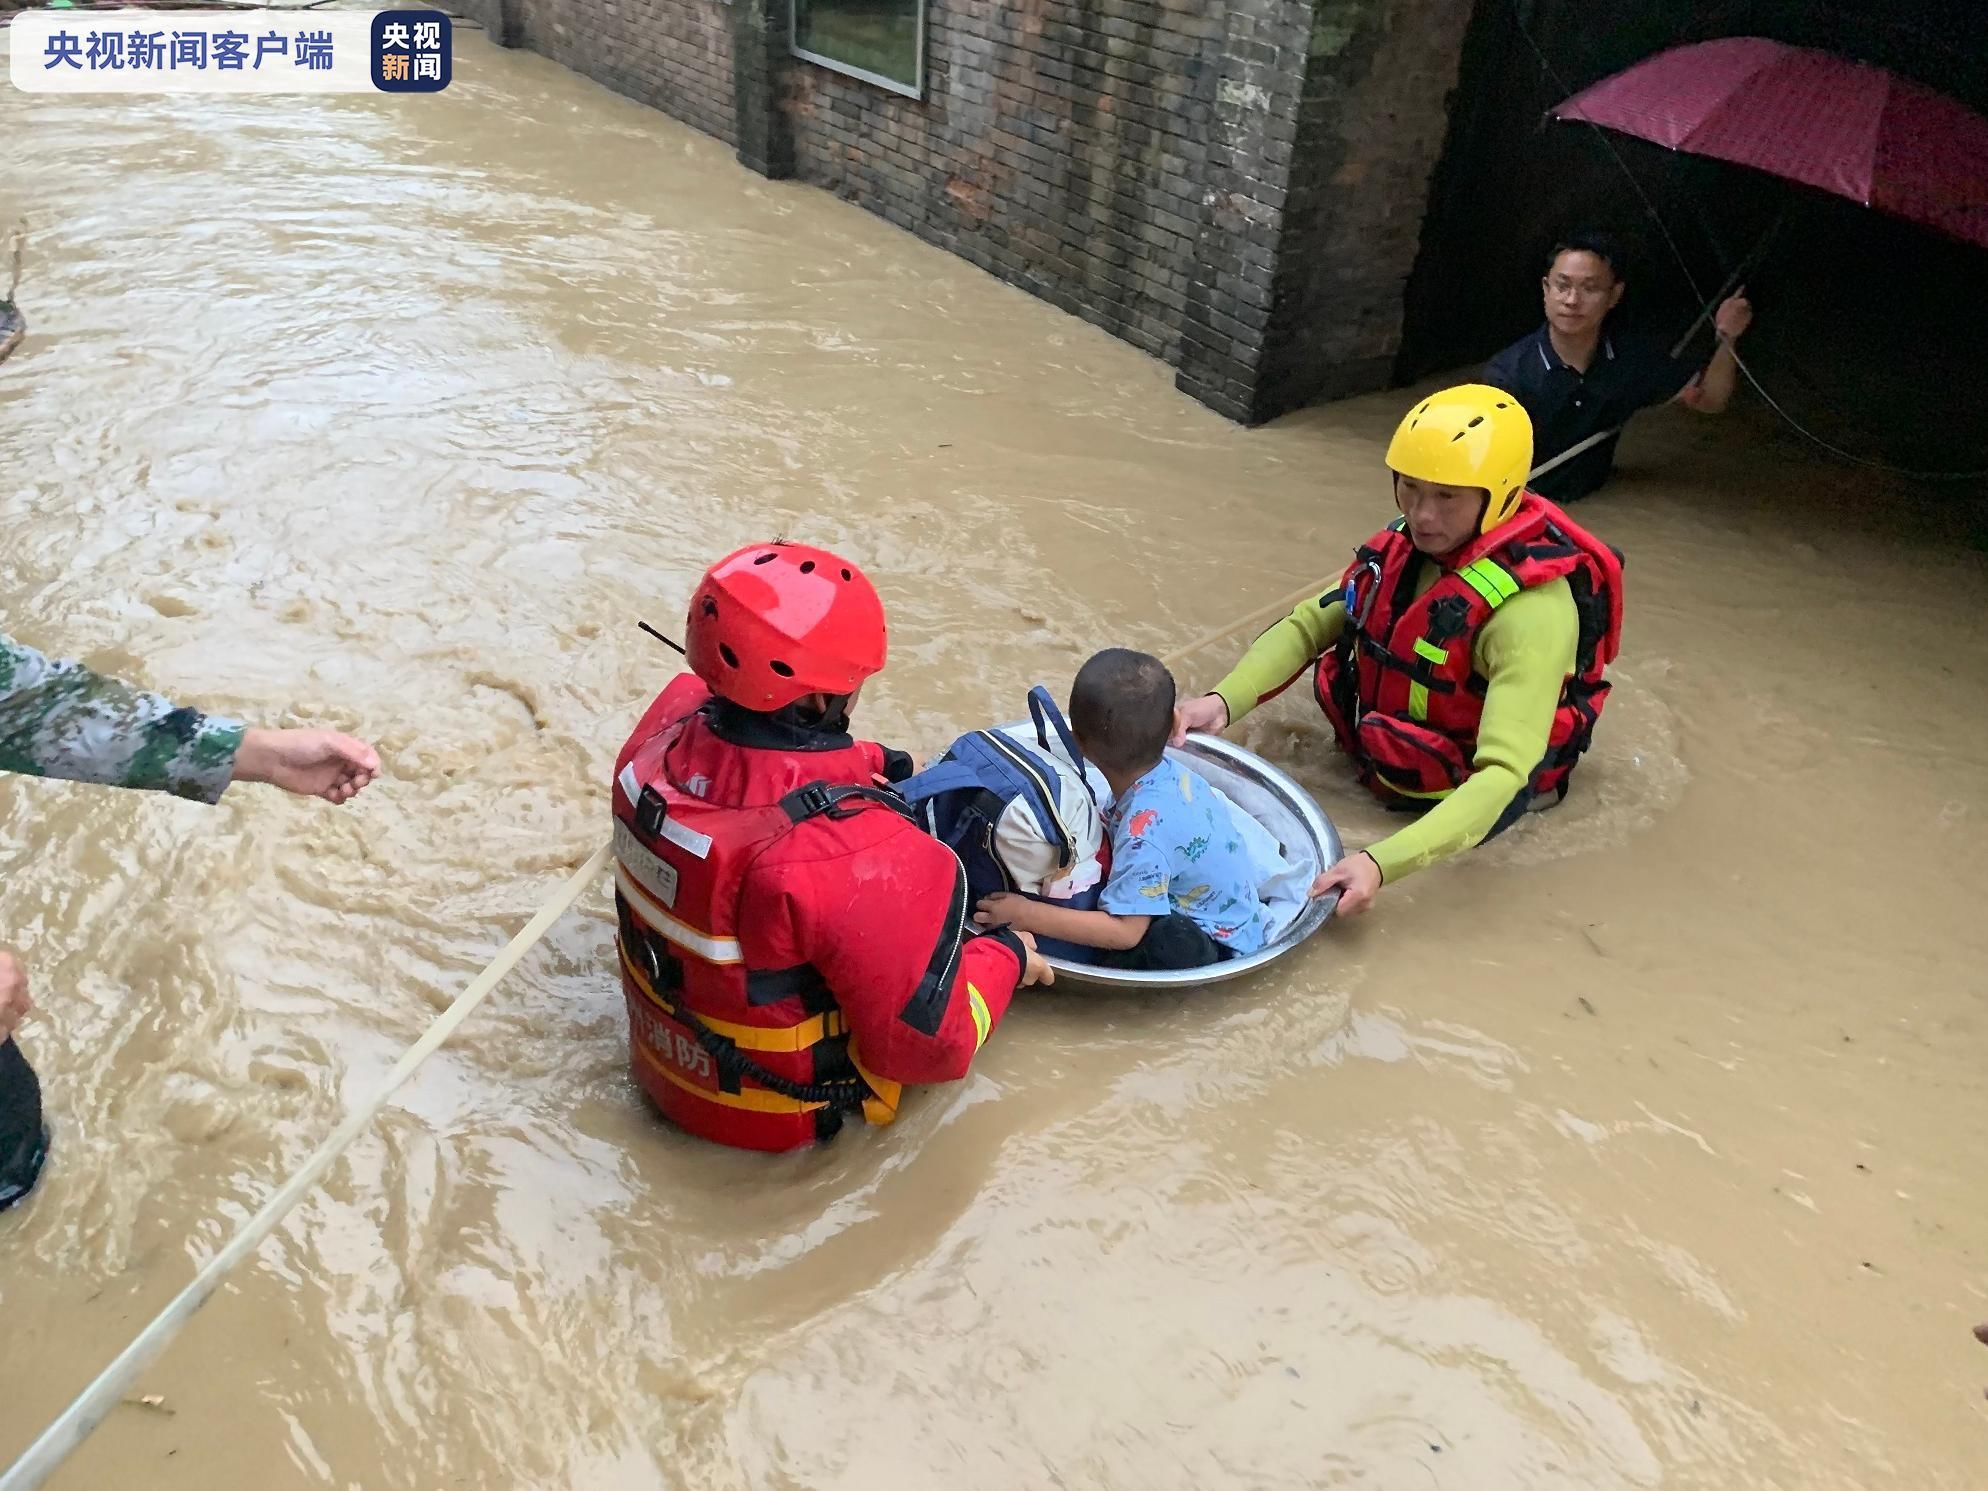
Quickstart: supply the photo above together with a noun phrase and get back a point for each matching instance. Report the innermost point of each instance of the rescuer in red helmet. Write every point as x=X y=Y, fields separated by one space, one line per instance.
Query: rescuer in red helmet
x=793 y=948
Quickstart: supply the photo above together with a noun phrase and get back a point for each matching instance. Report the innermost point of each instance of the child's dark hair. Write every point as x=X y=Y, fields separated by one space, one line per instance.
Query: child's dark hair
x=1604 y=246
x=1121 y=708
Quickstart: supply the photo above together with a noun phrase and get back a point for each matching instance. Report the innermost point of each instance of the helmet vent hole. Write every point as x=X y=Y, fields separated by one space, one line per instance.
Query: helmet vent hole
x=1459 y=435
x=731 y=658
x=1501 y=406
x=1475 y=423
x=807 y=566
x=710 y=606
x=766 y=558
x=847 y=576
x=781 y=668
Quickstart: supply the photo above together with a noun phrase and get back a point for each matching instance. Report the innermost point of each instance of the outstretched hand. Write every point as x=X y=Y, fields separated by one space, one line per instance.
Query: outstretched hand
x=310 y=763
x=1208 y=714
x=1357 y=878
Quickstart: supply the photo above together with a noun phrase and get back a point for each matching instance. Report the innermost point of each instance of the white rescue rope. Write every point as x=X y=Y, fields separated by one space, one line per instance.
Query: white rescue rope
x=39 y=1461
x=1570 y=452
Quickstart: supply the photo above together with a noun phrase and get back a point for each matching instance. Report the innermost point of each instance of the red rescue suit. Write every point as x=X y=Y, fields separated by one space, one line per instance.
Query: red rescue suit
x=792 y=947
x=1399 y=685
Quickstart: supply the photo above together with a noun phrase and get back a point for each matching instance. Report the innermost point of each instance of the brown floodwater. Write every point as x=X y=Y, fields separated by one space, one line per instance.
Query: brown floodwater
x=1643 y=1148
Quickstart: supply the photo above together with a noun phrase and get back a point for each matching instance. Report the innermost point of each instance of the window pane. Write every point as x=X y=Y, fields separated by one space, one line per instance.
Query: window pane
x=875 y=36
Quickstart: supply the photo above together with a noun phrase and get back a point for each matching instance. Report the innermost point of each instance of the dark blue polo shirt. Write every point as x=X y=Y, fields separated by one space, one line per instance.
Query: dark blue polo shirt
x=1628 y=373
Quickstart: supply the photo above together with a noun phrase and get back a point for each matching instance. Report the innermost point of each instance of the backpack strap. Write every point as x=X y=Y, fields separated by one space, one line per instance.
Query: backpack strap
x=988 y=761
x=948 y=775
x=1038 y=783
x=1043 y=710
x=818 y=800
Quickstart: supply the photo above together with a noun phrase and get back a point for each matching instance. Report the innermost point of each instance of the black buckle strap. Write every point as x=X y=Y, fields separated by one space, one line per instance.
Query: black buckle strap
x=657 y=963
x=1421 y=670
x=820 y=800
x=650 y=811
x=734 y=1066
x=665 y=976
x=1448 y=617
x=803 y=981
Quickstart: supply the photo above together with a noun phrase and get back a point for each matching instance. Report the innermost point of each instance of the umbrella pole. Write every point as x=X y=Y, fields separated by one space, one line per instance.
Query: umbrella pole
x=1745 y=267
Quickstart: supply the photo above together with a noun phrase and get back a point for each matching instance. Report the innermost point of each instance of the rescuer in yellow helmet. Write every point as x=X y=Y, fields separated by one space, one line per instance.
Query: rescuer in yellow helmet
x=1460 y=660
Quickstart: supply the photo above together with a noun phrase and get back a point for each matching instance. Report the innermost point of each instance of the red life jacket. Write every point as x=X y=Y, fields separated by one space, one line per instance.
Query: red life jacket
x=732 y=1034
x=1399 y=686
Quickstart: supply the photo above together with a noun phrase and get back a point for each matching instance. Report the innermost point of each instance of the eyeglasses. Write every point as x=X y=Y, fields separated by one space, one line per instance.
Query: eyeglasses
x=1576 y=289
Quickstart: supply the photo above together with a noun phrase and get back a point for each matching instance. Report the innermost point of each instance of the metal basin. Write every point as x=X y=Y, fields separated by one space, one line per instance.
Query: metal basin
x=1280 y=805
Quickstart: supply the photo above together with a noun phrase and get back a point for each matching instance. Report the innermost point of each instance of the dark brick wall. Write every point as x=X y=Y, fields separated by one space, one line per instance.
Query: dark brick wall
x=489 y=14
x=1329 y=119
x=1252 y=142
x=1235 y=186
x=1060 y=146
x=1371 y=119
x=673 y=55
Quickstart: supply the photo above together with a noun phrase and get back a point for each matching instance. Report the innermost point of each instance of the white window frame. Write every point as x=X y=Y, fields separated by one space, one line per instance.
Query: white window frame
x=915 y=89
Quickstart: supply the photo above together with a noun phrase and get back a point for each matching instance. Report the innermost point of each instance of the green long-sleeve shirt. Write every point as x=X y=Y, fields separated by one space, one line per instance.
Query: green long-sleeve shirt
x=59 y=719
x=1524 y=652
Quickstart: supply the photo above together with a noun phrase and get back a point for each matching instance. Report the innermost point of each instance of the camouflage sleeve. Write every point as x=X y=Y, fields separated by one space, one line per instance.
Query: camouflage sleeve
x=58 y=719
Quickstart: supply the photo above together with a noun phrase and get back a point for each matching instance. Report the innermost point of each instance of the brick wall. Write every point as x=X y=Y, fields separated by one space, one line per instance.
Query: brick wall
x=489 y=14
x=1371 y=119
x=1328 y=121
x=1060 y=146
x=1235 y=186
x=673 y=55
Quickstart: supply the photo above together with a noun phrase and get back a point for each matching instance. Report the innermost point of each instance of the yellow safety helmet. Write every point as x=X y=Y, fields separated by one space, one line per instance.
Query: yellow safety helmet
x=1472 y=435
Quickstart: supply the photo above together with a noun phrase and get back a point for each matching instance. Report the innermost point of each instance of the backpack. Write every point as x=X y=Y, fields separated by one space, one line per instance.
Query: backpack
x=1017 y=810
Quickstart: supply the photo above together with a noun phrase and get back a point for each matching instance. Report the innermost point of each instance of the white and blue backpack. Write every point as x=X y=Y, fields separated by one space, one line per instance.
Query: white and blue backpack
x=1017 y=808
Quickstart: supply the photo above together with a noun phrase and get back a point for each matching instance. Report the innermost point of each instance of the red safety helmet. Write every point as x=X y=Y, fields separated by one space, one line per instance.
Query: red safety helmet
x=776 y=622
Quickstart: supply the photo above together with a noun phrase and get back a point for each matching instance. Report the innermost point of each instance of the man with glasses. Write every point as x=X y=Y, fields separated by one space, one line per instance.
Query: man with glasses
x=1577 y=377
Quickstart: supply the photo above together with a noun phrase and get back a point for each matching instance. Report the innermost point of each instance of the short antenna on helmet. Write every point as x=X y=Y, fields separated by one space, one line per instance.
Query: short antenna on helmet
x=662 y=639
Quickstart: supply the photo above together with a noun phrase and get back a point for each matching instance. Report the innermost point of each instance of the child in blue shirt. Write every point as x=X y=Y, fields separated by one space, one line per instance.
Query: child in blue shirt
x=1183 y=890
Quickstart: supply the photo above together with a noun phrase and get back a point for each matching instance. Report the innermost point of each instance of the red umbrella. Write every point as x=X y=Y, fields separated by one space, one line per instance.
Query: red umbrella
x=1811 y=117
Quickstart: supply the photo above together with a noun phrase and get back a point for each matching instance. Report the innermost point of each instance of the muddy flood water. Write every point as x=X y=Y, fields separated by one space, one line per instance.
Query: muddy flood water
x=1643 y=1148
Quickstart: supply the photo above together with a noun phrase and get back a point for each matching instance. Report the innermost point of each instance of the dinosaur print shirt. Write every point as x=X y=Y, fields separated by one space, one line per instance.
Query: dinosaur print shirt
x=1175 y=848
